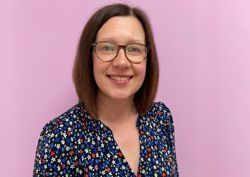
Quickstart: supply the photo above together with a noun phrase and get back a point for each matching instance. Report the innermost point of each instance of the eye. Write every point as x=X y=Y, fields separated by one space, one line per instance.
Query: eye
x=106 y=47
x=134 y=49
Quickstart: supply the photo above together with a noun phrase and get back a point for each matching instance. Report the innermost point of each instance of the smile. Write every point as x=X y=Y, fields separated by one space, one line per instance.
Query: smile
x=120 y=78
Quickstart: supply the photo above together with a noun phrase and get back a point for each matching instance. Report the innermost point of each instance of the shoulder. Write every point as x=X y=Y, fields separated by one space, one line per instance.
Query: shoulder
x=57 y=143
x=159 y=107
x=66 y=126
x=160 y=114
x=160 y=110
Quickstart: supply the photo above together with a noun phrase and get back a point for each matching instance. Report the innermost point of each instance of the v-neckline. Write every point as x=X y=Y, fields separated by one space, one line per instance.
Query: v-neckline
x=123 y=156
x=119 y=149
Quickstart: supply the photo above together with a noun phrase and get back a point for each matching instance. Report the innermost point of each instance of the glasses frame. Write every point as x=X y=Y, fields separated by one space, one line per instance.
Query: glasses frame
x=119 y=47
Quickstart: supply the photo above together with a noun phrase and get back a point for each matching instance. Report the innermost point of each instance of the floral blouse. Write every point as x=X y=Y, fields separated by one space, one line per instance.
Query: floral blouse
x=75 y=144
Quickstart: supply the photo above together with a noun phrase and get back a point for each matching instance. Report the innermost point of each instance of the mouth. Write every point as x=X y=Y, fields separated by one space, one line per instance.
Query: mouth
x=120 y=78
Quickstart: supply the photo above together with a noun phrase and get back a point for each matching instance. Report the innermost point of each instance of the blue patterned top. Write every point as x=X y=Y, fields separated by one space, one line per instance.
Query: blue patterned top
x=75 y=144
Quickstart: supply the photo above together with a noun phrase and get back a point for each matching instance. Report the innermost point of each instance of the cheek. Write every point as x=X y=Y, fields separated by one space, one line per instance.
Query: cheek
x=142 y=70
x=96 y=69
x=99 y=70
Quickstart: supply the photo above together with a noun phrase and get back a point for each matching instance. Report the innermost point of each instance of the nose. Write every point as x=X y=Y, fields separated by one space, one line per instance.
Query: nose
x=121 y=59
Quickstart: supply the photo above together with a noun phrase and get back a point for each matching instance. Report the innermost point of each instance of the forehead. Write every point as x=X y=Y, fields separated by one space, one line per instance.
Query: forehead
x=122 y=30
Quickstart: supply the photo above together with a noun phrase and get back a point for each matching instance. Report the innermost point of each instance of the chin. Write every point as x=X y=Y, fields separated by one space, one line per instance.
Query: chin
x=119 y=96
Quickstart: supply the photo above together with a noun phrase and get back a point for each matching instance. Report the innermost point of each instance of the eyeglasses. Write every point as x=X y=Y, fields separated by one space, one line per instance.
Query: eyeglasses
x=107 y=51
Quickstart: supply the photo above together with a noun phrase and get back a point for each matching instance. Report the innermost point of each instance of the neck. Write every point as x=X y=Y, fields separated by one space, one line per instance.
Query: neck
x=116 y=111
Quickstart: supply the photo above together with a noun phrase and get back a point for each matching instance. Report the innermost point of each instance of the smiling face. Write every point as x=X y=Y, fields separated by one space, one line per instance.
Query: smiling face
x=119 y=79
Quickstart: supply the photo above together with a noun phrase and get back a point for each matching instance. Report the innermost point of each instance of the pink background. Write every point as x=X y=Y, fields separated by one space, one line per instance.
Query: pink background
x=204 y=51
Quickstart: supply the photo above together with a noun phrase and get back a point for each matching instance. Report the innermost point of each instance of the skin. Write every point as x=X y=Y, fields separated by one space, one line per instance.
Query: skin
x=120 y=30
x=115 y=97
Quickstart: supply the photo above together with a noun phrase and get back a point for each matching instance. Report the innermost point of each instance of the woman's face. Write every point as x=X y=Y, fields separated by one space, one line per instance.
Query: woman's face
x=119 y=79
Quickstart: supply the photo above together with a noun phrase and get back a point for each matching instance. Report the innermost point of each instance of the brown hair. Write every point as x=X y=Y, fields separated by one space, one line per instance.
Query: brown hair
x=83 y=78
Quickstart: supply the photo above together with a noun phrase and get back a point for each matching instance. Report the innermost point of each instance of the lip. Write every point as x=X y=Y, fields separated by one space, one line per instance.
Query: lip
x=119 y=79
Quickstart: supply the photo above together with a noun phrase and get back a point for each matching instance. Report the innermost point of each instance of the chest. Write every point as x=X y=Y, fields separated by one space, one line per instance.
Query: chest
x=124 y=153
x=129 y=145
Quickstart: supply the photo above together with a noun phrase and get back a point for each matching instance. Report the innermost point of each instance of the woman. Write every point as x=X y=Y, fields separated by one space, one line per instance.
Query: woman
x=116 y=129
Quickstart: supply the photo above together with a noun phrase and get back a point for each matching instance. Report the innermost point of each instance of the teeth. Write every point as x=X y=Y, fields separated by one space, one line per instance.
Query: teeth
x=119 y=78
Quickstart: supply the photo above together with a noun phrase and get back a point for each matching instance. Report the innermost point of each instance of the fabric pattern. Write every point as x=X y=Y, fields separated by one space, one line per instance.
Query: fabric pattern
x=75 y=144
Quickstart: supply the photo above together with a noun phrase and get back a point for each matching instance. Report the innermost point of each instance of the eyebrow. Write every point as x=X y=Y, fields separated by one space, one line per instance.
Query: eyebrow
x=130 y=41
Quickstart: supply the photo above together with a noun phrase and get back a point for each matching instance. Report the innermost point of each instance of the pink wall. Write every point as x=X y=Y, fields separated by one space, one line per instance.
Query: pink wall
x=204 y=51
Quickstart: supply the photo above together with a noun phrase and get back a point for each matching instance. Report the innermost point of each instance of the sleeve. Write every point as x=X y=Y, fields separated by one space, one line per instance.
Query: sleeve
x=170 y=136
x=52 y=153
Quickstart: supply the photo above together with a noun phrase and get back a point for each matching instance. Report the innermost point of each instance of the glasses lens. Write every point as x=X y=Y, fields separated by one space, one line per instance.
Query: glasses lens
x=136 y=52
x=106 y=51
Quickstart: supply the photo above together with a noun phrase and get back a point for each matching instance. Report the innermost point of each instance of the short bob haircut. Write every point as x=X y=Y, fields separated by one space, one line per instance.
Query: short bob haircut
x=83 y=78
